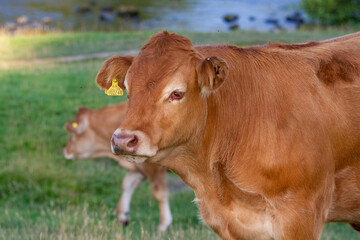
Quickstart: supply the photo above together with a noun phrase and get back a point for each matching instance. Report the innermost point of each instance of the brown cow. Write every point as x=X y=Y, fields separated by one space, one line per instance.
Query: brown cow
x=260 y=133
x=91 y=131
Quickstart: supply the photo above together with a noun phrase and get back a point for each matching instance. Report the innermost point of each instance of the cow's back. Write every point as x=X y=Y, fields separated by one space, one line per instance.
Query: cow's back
x=105 y=120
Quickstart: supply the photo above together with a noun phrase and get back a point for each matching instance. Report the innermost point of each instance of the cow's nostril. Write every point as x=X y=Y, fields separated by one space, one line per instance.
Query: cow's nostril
x=133 y=142
x=124 y=144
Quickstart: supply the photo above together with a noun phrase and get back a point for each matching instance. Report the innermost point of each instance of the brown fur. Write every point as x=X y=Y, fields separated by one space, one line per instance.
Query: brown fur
x=266 y=150
x=97 y=127
x=114 y=67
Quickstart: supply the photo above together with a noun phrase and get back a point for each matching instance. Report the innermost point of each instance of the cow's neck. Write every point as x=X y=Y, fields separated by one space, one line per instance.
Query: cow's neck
x=193 y=169
x=205 y=162
x=236 y=117
x=196 y=165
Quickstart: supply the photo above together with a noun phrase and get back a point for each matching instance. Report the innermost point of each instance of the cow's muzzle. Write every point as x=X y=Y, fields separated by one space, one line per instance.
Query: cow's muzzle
x=124 y=144
x=68 y=155
x=132 y=143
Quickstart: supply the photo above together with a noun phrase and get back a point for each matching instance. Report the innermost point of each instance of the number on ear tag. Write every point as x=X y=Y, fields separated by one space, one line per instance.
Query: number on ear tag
x=114 y=90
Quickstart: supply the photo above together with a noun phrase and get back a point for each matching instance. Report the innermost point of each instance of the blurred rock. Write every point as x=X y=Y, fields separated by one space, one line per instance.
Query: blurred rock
x=22 y=20
x=10 y=26
x=36 y=25
x=128 y=12
x=83 y=9
x=93 y=3
x=274 y=22
x=234 y=26
x=230 y=17
x=46 y=20
x=107 y=8
x=252 y=18
x=106 y=17
x=297 y=18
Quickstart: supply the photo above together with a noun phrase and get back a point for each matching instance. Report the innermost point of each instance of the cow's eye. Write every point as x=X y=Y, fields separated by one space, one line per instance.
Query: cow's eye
x=176 y=95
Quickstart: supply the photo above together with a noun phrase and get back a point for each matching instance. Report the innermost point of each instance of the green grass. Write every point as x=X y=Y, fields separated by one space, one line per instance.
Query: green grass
x=64 y=44
x=44 y=196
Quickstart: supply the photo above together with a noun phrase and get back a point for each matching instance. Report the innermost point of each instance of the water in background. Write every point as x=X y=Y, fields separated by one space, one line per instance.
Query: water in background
x=192 y=15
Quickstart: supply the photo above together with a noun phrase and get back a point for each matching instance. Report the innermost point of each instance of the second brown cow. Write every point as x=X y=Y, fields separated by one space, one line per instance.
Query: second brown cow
x=91 y=131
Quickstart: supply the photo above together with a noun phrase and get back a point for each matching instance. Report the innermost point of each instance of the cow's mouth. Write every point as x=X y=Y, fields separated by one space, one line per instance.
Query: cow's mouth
x=134 y=159
x=128 y=156
x=68 y=156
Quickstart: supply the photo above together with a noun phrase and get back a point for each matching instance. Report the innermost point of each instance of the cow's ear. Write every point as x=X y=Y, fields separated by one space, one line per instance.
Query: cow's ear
x=212 y=72
x=80 y=122
x=77 y=127
x=114 y=67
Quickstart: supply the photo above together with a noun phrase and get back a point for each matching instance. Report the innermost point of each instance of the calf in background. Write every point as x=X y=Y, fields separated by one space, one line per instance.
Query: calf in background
x=91 y=131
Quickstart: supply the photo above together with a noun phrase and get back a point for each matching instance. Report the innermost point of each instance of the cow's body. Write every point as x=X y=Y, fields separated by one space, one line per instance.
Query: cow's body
x=96 y=128
x=260 y=134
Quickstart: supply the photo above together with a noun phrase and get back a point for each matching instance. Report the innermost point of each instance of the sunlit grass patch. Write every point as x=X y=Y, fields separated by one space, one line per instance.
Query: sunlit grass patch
x=65 y=44
x=82 y=223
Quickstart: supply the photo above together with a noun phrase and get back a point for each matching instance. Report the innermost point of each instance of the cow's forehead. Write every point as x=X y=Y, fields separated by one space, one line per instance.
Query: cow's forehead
x=162 y=58
x=163 y=43
x=151 y=74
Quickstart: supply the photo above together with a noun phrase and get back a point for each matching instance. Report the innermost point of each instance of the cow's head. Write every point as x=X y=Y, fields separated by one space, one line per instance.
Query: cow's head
x=82 y=143
x=168 y=84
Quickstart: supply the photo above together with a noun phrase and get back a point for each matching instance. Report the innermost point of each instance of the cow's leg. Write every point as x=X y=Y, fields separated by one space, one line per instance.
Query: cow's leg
x=302 y=226
x=159 y=187
x=130 y=182
x=302 y=217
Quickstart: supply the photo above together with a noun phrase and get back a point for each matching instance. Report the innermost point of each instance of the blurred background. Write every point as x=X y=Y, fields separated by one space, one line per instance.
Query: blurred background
x=50 y=52
x=190 y=15
x=193 y=15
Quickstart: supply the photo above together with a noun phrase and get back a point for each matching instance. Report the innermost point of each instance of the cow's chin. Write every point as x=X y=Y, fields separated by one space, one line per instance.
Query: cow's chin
x=134 y=159
x=68 y=156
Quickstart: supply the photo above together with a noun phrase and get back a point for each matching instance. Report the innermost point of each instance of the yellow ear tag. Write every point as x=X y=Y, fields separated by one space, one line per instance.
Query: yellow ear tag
x=74 y=124
x=114 y=90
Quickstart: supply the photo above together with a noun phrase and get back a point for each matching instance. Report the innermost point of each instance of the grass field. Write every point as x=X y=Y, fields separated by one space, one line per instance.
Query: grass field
x=44 y=196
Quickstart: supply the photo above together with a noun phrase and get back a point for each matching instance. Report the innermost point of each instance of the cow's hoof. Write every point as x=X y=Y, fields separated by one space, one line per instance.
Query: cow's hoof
x=355 y=226
x=124 y=219
x=125 y=223
x=162 y=228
